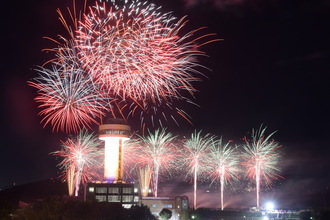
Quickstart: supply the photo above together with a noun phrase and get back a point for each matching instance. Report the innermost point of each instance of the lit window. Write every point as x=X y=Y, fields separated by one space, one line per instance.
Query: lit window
x=101 y=198
x=127 y=198
x=91 y=189
x=113 y=190
x=153 y=205
x=113 y=198
x=168 y=206
x=127 y=190
x=135 y=190
x=101 y=189
x=136 y=198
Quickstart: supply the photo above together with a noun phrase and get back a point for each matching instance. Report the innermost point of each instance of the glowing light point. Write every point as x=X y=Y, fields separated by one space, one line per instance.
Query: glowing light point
x=114 y=133
x=270 y=206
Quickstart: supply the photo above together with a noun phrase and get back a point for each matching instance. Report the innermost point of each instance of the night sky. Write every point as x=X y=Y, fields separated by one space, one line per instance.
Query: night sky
x=272 y=68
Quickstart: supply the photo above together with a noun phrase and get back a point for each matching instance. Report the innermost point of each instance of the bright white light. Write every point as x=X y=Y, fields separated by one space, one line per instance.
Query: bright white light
x=265 y=218
x=269 y=206
x=112 y=159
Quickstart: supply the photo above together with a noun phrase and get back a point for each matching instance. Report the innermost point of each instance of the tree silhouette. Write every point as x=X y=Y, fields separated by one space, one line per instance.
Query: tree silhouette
x=165 y=214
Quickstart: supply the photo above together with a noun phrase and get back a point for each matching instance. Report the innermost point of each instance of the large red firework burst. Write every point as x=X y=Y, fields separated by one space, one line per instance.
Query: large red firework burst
x=136 y=51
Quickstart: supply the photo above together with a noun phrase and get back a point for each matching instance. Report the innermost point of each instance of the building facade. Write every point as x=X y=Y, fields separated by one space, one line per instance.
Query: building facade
x=124 y=193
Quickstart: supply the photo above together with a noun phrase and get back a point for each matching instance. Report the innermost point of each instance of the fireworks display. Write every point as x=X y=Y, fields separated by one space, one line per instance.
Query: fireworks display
x=135 y=59
x=223 y=165
x=261 y=158
x=156 y=151
x=81 y=160
x=69 y=100
x=195 y=156
x=125 y=60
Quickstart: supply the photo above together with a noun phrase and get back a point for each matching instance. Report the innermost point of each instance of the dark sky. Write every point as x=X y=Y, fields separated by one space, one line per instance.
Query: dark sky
x=272 y=68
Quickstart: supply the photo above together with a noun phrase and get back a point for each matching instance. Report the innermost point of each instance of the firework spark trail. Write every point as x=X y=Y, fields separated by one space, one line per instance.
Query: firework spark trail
x=261 y=158
x=80 y=162
x=195 y=154
x=156 y=151
x=68 y=99
x=223 y=165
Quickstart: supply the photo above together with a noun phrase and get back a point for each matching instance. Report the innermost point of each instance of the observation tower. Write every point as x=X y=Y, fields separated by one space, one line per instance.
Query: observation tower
x=114 y=133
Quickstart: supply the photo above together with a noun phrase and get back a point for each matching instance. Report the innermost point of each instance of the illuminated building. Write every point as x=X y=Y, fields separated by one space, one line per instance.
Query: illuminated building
x=123 y=193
